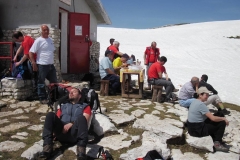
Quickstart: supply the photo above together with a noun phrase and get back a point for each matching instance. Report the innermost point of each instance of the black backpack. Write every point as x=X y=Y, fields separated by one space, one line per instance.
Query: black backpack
x=90 y=97
x=152 y=155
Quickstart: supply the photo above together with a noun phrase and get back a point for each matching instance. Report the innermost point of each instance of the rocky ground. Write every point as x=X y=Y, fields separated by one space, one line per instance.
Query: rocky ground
x=131 y=128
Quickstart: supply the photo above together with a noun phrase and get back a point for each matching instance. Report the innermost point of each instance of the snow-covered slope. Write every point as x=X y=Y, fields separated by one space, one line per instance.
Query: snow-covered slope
x=192 y=50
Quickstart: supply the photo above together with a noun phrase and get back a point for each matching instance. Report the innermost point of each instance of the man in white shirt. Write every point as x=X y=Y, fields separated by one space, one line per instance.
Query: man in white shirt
x=44 y=48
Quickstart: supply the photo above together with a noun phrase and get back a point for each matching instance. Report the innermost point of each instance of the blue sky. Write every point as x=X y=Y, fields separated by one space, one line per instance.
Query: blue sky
x=142 y=14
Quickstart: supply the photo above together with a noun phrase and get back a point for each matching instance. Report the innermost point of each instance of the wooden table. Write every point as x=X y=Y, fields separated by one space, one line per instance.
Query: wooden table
x=140 y=75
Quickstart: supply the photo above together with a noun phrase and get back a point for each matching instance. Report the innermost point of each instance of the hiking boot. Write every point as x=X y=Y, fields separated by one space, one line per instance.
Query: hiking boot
x=81 y=153
x=219 y=147
x=168 y=100
x=47 y=151
x=225 y=111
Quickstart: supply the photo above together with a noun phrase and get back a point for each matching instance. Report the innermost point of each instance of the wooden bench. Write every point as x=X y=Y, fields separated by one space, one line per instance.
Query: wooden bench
x=104 y=89
x=156 y=93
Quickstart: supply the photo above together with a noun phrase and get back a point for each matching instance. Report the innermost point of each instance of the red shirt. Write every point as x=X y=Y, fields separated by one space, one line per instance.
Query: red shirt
x=154 y=69
x=27 y=44
x=113 y=48
x=151 y=54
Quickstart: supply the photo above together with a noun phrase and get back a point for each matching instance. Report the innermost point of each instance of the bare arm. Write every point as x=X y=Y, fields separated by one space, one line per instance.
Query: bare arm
x=144 y=58
x=34 y=65
x=166 y=75
x=160 y=75
x=24 y=58
x=215 y=118
x=87 y=116
x=20 y=49
x=119 y=53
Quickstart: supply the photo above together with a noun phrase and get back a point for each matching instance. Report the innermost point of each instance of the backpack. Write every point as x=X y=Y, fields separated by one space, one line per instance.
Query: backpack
x=152 y=155
x=90 y=97
x=57 y=93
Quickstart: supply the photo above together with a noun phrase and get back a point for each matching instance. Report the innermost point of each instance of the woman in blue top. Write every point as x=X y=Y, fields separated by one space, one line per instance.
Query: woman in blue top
x=203 y=123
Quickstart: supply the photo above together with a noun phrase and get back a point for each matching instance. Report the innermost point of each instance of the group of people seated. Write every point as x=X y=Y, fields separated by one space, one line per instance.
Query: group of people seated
x=196 y=96
x=110 y=65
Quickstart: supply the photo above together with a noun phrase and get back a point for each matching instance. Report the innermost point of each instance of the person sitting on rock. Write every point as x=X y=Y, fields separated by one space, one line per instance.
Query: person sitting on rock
x=213 y=99
x=106 y=71
x=155 y=77
x=187 y=91
x=202 y=123
x=69 y=125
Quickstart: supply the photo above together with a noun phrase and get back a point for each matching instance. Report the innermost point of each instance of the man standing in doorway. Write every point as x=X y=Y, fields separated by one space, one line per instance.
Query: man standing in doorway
x=151 y=55
x=44 y=48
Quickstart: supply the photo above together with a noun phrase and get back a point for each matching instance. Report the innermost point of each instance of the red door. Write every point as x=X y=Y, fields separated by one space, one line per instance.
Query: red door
x=78 y=61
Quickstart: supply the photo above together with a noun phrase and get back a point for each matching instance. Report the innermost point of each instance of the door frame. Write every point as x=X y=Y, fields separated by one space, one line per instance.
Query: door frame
x=64 y=42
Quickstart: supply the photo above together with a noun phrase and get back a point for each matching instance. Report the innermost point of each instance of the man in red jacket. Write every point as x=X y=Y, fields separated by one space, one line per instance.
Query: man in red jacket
x=151 y=55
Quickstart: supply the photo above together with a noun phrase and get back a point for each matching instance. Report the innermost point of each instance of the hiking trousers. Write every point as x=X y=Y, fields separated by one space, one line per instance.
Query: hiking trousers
x=48 y=72
x=163 y=82
x=213 y=99
x=208 y=127
x=78 y=133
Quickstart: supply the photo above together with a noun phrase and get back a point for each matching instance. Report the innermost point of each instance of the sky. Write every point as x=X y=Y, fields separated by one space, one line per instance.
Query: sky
x=142 y=14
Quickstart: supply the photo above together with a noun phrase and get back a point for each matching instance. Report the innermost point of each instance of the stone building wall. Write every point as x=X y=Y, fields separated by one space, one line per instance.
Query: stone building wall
x=55 y=35
x=35 y=33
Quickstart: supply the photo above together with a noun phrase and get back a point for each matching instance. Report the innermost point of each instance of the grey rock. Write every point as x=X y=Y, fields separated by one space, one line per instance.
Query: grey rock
x=150 y=141
x=4 y=121
x=121 y=118
x=21 y=117
x=138 y=113
x=222 y=156
x=36 y=127
x=22 y=134
x=32 y=152
x=115 y=142
x=154 y=124
x=42 y=109
x=9 y=146
x=178 y=155
x=13 y=126
x=2 y=104
x=18 y=137
x=205 y=143
x=101 y=124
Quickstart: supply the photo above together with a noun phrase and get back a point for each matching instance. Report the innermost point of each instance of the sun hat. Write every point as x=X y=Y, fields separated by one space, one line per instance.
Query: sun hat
x=202 y=90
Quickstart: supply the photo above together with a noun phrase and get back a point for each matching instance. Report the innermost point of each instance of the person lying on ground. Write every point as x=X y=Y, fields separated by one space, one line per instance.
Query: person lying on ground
x=69 y=125
x=213 y=99
x=202 y=123
x=187 y=91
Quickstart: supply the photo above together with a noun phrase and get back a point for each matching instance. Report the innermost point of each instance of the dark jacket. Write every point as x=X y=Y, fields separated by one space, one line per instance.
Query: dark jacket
x=70 y=112
x=202 y=83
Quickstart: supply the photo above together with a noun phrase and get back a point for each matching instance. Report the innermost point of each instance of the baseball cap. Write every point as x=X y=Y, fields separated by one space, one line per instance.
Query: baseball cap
x=202 y=90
